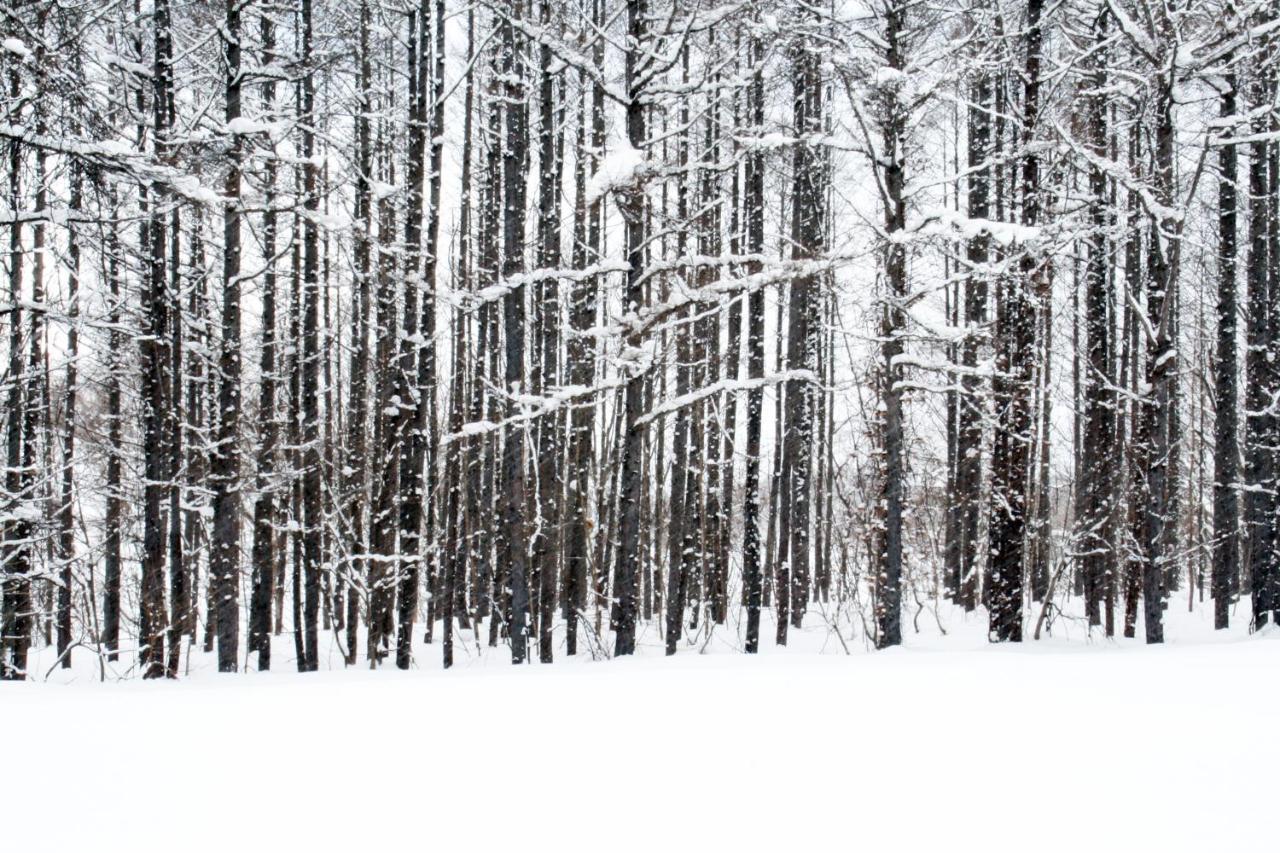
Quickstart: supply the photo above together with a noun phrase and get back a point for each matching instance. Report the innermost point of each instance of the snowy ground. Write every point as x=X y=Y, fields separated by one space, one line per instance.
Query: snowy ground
x=945 y=745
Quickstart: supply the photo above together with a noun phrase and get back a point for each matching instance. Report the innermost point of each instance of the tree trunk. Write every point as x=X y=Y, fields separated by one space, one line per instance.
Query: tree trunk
x=1015 y=362
x=312 y=511
x=224 y=562
x=264 y=507
x=549 y=440
x=971 y=406
x=1226 y=454
x=1093 y=512
x=515 y=547
x=888 y=587
x=15 y=621
x=631 y=204
x=66 y=503
x=156 y=363
x=754 y=215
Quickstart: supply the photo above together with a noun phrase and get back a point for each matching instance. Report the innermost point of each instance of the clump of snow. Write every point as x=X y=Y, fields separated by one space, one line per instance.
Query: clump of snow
x=765 y=142
x=619 y=169
x=189 y=187
x=117 y=148
x=478 y=427
x=952 y=224
x=887 y=76
x=244 y=126
x=1185 y=57
x=17 y=47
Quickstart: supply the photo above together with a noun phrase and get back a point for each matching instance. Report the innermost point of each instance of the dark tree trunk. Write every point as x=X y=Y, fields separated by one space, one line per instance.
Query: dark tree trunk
x=113 y=519
x=486 y=516
x=549 y=441
x=355 y=485
x=1157 y=441
x=1268 y=598
x=1261 y=377
x=515 y=548
x=200 y=411
x=417 y=359
x=312 y=510
x=631 y=203
x=754 y=215
x=224 y=555
x=156 y=370
x=685 y=520
x=15 y=621
x=1093 y=511
x=264 y=508
x=459 y=486
x=808 y=198
x=1226 y=454
x=1133 y=360
x=179 y=590
x=581 y=352
x=715 y=530
x=888 y=566
x=1016 y=352
x=732 y=367
x=386 y=441
x=66 y=503
x=970 y=408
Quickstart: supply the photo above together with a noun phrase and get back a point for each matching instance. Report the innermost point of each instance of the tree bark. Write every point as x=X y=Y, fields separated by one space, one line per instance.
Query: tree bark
x=1015 y=362
x=224 y=565
x=1226 y=454
x=515 y=547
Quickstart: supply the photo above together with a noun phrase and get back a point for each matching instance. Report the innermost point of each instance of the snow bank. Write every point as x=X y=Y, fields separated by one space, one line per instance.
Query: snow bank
x=1046 y=747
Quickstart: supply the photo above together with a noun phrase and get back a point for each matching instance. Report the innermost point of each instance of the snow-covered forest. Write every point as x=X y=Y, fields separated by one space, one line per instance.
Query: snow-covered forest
x=347 y=334
x=862 y=416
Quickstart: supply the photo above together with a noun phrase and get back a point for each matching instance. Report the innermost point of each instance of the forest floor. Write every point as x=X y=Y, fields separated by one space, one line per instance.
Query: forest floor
x=947 y=744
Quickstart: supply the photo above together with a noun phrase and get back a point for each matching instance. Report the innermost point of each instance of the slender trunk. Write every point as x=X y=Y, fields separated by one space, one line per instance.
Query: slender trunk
x=581 y=351
x=156 y=363
x=456 y=525
x=631 y=204
x=514 y=545
x=1261 y=375
x=1093 y=512
x=66 y=503
x=312 y=511
x=970 y=406
x=549 y=430
x=113 y=519
x=888 y=600
x=1226 y=454
x=224 y=557
x=1157 y=443
x=754 y=215
x=264 y=507
x=1015 y=363
x=15 y=624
